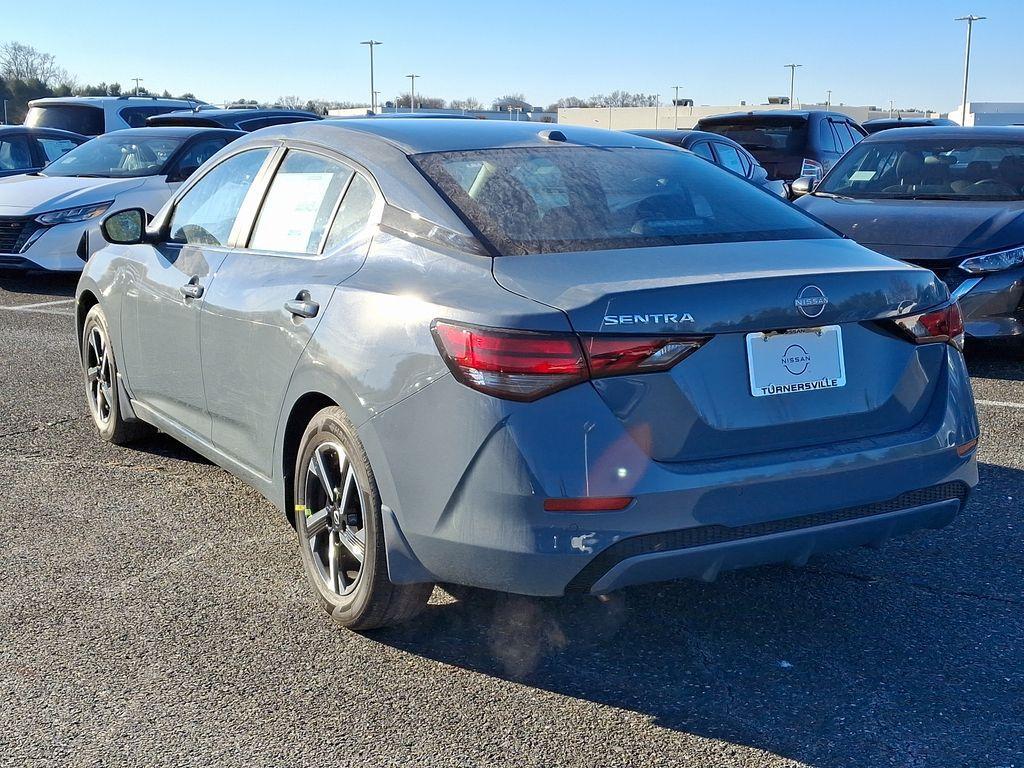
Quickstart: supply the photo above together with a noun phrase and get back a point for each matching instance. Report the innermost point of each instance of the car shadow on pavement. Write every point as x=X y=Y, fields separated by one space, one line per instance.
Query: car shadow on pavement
x=55 y=284
x=994 y=363
x=905 y=655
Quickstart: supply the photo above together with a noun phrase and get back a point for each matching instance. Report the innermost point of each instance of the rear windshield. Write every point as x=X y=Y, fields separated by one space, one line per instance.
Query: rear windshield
x=788 y=136
x=555 y=199
x=78 y=118
x=929 y=169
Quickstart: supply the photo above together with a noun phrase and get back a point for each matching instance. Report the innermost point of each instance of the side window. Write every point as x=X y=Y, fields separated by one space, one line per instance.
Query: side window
x=206 y=213
x=195 y=155
x=54 y=148
x=15 y=154
x=729 y=158
x=354 y=213
x=704 y=150
x=299 y=204
x=855 y=132
x=826 y=137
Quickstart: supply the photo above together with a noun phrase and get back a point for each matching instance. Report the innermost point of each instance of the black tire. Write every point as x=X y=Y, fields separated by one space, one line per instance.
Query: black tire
x=370 y=600
x=102 y=388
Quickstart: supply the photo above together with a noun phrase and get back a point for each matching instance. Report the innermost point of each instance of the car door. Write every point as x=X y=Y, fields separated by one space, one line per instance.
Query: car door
x=310 y=233
x=161 y=306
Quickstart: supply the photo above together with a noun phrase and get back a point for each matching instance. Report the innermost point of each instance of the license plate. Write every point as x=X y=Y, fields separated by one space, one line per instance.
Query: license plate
x=796 y=361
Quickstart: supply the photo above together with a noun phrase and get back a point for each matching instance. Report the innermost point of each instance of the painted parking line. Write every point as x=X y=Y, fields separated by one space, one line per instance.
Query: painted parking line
x=55 y=307
x=1000 y=404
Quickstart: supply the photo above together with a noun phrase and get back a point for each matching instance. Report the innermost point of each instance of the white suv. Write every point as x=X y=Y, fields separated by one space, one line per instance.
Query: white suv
x=93 y=115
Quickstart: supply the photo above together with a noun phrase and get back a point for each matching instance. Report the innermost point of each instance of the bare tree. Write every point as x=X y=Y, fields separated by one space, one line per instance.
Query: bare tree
x=470 y=105
x=422 y=102
x=514 y=100
x=291 y=102
x=23 y=62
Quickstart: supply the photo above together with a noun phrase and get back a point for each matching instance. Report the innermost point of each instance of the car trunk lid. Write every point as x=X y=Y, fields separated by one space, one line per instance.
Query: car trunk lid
x=703 y=408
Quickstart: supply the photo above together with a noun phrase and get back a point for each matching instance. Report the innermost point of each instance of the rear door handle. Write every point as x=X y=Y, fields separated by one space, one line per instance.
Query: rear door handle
x=302 y=306
x=191 y=290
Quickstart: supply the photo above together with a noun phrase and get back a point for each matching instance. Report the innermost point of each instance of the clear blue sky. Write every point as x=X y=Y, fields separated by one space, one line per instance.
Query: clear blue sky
x=721 y=52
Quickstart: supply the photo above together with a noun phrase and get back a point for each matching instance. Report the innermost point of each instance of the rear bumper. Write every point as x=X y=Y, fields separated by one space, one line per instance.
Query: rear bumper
x=473 y=514
x=679 y=555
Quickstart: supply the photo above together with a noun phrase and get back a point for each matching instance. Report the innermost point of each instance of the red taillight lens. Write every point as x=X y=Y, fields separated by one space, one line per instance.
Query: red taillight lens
x=945 y=324
x=519 y=365
x=619 y=355
x=526 y=365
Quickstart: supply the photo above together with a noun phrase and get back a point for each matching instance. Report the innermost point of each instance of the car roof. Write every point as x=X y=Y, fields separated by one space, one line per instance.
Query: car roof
x=171 y=131
x=125 y=99
x=923 y=133
x=775 y=113
x=240 y=113
x=30 y=129
x=422 y=135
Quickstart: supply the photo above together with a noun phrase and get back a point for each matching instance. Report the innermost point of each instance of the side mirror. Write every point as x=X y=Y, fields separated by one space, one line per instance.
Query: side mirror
x=127 y=227
x=803 y=186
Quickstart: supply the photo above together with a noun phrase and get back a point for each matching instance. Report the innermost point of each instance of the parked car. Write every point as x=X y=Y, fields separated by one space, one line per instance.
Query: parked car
x=790 y=143
x=239 y=119
x=95 y=115
x=50 y=219
x=885 y=123
x=949 y=199
x=23 y=150
x=538 y=361
x=721 y=151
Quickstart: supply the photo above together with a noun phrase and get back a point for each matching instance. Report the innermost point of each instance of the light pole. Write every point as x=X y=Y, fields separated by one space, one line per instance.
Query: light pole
x=792 y=82
x=676 y=102
x=412 y=92
x=373 y=94
x=970 y=19
x=828 y=99
x=376 y=100
x=137 y=81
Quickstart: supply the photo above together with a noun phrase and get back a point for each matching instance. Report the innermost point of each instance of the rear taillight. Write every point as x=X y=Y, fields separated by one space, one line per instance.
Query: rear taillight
x=944 y=324
x=812 y=168
x=526 y=365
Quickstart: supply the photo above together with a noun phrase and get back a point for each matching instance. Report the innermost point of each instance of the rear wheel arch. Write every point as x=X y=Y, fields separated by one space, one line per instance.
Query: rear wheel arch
x=302 y=412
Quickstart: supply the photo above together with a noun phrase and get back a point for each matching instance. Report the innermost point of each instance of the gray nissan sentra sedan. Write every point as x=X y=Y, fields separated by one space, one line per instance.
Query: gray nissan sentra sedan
x=534 y=359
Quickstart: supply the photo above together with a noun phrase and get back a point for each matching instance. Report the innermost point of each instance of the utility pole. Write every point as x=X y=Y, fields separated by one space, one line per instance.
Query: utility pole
x=891 y=105
x=412 y=92
x=376 y=100
x=373 y=93
x=792 y=83
x=676 y=102
x=137 y=81
x=970 y=19
x=828 y=99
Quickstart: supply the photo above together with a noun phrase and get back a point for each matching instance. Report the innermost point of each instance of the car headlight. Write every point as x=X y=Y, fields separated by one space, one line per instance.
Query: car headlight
x=68 y=215
x=994 y=262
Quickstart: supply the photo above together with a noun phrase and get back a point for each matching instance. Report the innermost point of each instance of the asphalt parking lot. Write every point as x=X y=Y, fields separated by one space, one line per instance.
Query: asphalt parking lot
x=154 y=613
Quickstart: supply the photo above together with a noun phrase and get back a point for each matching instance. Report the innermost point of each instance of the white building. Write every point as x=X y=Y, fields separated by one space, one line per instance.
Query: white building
x=990 y=113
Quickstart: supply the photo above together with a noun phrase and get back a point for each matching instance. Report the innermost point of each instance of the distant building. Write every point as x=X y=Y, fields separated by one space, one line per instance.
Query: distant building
x=990 y=113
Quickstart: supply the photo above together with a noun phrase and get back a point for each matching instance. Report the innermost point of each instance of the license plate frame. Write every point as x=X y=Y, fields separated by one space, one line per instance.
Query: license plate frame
x=796 y=361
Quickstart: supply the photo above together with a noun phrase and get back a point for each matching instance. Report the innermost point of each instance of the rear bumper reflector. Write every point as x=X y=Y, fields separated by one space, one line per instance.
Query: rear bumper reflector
x=588 y=504
x=964 y=448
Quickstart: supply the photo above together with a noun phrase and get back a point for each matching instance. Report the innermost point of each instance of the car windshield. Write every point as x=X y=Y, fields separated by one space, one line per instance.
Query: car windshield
x=116 y=157
x=788 y=135
x=528 y=200
x=930 y=169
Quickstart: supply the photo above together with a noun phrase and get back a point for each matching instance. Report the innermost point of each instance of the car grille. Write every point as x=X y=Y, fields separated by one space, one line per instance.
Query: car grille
x=704 y=535
x=15 y=232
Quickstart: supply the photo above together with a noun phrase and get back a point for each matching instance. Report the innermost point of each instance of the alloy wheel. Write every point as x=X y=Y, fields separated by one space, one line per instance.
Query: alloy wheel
x=99 y=374
x=334 y=518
